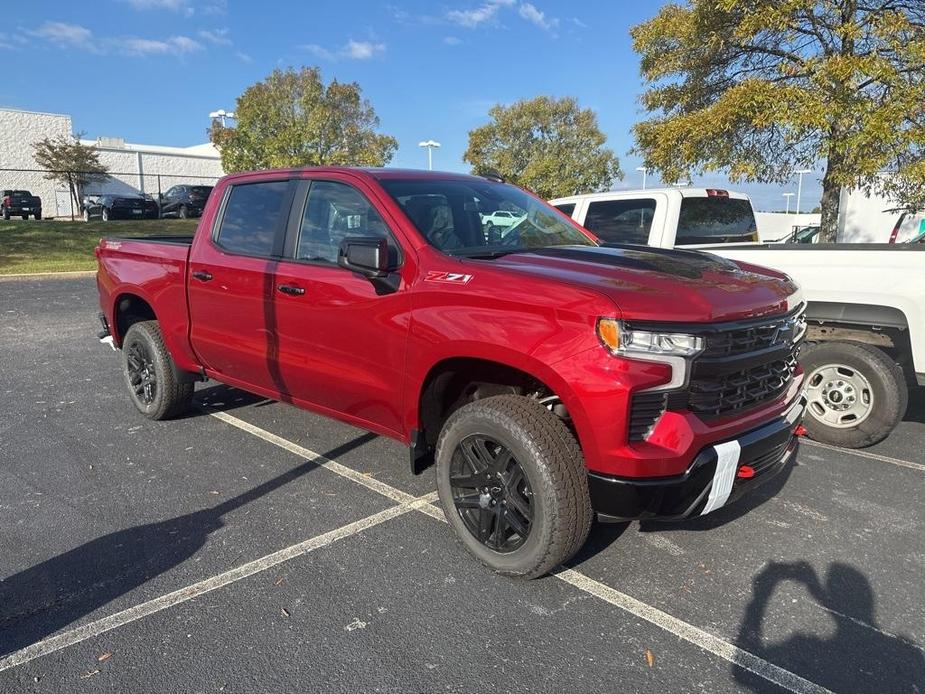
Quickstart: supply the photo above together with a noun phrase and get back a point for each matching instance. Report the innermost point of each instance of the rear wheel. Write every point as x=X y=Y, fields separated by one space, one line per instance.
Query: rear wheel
x=38 y=215
x=6 y=213
x=104 y=213
x=25 y=216
x=86 y=214
x=150 y=375
x=183 y=213
x=513 y=485
x=856 y=393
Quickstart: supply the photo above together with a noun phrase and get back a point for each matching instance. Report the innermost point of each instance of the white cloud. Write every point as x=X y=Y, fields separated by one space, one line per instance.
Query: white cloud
x=580 y=24
x=174 y=5
x=217 y=36
x=319 y=52
x=352 y=50
x=139 y=46
x=529 y=12
x=184 y=44
x=476 y=16
x=64 y=34
x=452 y=40
x=243 y=57
x=362 y=50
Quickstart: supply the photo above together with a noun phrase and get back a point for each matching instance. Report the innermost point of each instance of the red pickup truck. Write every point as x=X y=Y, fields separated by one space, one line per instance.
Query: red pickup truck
x=547 y=377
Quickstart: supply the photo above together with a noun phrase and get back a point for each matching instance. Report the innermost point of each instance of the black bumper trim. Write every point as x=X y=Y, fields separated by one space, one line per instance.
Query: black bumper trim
x=682 y=496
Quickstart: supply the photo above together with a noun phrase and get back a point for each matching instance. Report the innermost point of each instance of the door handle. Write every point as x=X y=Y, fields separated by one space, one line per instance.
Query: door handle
x=202 y=275
x=291 y=289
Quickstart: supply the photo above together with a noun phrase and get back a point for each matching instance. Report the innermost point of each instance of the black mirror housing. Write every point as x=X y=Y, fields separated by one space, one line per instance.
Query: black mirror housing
x=368 y=255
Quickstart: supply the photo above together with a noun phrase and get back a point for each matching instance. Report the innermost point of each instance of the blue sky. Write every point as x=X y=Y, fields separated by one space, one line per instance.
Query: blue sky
x=150 y=71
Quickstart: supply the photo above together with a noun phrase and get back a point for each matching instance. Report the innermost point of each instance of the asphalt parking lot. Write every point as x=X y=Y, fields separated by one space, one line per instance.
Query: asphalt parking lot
x=251 y=546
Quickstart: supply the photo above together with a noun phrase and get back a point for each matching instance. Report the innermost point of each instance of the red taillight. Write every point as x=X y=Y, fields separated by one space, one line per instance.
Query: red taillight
x=895 y=232
x=800 y=430
x=717 y=193
x=745 y=472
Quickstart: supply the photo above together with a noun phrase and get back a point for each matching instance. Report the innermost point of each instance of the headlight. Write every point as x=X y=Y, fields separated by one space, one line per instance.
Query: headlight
x=794 y=299
x=674 y=349
x=620 y=340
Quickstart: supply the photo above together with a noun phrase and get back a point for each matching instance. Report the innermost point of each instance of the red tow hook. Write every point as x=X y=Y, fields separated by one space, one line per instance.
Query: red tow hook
x=800 y=430
x=745 y=472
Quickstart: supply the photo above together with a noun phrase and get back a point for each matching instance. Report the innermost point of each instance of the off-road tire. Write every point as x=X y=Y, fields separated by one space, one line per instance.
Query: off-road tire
x=887 y=383
x=171 y=398
x=553 y=463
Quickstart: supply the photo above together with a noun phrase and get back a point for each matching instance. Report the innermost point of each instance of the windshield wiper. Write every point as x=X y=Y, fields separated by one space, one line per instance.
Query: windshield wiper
x=490 y=255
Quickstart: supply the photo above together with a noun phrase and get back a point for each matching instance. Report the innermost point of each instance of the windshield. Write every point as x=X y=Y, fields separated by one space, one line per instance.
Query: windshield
x=462 y=217
x=201 y=190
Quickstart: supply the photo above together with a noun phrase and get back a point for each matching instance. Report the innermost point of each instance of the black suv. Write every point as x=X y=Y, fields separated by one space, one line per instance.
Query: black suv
x=184 y=201
x=21 y=203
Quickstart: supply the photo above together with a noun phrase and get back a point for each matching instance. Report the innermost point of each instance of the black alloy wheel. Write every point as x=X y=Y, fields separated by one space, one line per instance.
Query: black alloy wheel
x=141 y=372
x=491 y=493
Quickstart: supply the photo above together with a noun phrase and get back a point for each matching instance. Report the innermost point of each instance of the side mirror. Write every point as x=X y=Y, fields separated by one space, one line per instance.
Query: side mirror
x=368 y=255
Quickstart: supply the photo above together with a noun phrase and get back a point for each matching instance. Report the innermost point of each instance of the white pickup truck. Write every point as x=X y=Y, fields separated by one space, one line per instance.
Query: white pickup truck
x=865 y=302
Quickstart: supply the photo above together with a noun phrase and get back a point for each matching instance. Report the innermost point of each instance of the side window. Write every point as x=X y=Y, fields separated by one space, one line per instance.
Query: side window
x=566 y=208
x=252 y=217
x=170 y=192
x=333 y=212
x=621 y=221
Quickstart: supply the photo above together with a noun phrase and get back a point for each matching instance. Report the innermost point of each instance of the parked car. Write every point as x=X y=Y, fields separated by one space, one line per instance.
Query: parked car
x=866 y=339
x=109 y=206
x=501 y=218
x=547 y=377
x=184 y=201
x=21 y=203
x=806 y=234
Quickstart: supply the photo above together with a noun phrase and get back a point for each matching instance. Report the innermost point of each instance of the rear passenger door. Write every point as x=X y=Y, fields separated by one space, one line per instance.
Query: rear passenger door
x=342 y=337
x=231 y=285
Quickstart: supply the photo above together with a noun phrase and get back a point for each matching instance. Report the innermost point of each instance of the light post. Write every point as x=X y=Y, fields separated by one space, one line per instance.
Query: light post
x=221 y=115
x=430 y=145
x=644 y=172
x=800 y=172
x=788 y=196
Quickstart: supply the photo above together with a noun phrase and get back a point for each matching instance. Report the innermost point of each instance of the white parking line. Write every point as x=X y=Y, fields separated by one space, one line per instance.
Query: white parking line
x=145 y=609
x=872 y=456
x=683 y=630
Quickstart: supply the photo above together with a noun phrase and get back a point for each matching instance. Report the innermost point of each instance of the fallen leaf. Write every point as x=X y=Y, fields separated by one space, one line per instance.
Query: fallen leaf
x=279 y=581
x=87 y=675
x=650 y=658
x=105 y=656
x=283 y=611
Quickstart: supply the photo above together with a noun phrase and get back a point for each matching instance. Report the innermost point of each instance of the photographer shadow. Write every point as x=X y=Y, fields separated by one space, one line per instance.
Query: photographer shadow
x=856 y=656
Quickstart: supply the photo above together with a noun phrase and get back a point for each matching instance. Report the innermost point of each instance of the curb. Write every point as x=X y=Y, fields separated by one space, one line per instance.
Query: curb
x=50 y=275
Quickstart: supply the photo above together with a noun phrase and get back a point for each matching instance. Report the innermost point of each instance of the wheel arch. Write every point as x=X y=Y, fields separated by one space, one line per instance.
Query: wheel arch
x=129 y=308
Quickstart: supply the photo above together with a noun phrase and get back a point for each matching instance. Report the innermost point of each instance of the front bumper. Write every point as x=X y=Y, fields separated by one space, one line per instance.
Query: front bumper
x=719 y=474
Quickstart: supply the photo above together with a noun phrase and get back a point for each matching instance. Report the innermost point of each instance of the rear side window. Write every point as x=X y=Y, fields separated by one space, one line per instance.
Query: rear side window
x=566 y=208
x=621 y=221
x=252 y=217
x=716 y=220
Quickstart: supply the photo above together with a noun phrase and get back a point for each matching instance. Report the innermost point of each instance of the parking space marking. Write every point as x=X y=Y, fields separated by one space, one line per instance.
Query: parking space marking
x=703 y=639
x=872 y=456
x=145 y=609
x=683 y=630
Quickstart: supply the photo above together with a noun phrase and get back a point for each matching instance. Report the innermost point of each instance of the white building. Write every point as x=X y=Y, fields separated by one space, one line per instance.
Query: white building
x=133 y=168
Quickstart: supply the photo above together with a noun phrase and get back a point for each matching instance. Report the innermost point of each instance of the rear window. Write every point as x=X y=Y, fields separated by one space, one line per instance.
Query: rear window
x=566 y=208
x=621 y=221
x=716 y=220
x=252 y=217
x=201 y=190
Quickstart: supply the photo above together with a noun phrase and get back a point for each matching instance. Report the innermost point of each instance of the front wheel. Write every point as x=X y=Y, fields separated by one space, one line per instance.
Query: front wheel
x=104 y=213
x=513 y=485
x=856 y=393
x=183 y=213
x=150 y=375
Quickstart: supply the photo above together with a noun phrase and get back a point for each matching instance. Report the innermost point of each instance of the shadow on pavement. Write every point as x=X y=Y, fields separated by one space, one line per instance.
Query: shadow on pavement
x=851 y=655
x=49 y=596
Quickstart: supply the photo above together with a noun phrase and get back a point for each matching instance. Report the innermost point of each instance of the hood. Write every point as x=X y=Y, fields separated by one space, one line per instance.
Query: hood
x=662 y=285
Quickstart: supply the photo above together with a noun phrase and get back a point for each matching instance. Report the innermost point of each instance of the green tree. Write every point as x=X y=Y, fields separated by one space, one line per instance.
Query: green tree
x=759 y=88
x=69 y=163
x=548 y=145
x=293 y=119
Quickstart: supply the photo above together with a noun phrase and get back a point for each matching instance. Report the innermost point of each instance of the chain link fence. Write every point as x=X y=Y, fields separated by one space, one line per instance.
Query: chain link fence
x=56 y=196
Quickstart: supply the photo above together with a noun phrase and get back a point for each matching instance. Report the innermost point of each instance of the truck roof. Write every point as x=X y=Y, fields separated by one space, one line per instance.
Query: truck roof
x=638 y=192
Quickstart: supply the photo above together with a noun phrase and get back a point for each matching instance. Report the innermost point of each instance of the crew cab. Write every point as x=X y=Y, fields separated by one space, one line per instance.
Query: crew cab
x=866 y=339
x=545 y=377
x=21 y=203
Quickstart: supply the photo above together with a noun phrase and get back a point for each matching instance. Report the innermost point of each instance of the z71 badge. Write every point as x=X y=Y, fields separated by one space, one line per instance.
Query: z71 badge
x=452 y=277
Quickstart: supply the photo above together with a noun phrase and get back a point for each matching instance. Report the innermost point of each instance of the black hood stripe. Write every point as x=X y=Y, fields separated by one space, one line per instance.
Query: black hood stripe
x=687 y=264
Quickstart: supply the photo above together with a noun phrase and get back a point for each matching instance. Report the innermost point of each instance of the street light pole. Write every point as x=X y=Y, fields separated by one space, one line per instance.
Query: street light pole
x=430 y=145
x=800 y=185
x=221 y=115
x=644 y=172
x=788 y=196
